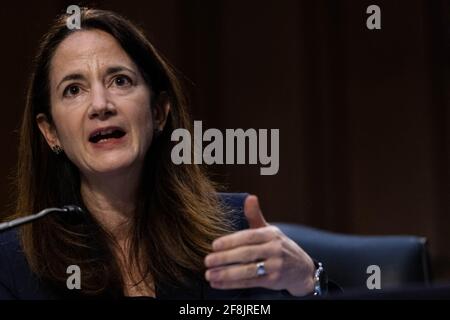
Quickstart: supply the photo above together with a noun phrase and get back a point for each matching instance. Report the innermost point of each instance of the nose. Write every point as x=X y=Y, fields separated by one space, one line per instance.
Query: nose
x=101 y=107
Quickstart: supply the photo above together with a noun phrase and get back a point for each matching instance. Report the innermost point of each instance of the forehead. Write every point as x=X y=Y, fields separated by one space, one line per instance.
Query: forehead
x=85 y=49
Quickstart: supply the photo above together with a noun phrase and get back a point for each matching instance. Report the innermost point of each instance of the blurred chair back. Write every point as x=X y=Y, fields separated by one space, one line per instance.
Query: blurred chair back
x=402 y=260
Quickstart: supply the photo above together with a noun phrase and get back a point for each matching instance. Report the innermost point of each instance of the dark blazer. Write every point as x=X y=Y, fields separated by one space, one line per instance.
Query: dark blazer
x=18 y=282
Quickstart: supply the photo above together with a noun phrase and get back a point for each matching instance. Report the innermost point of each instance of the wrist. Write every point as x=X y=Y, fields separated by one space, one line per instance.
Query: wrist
x=306 y=286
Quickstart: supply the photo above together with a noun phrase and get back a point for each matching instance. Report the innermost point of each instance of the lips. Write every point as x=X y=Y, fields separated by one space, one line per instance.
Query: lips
x=105 y=134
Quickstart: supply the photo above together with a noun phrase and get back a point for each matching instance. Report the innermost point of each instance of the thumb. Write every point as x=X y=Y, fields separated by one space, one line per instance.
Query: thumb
x=253 y=213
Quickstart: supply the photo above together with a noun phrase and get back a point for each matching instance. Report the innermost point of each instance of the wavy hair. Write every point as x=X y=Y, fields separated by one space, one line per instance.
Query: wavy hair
x=178 y=213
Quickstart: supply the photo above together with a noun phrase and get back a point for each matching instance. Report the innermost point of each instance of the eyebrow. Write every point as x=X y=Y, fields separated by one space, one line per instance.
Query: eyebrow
x=72 y=76
x=79 y=76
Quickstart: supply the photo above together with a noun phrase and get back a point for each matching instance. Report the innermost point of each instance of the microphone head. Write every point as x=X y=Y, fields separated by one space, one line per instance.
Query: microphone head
x=73 y=209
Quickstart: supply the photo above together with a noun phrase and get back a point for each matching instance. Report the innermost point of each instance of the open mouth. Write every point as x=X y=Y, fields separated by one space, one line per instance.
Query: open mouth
x=105 y=134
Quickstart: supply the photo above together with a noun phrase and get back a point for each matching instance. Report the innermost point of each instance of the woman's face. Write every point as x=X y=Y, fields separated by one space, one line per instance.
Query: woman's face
x=100 y=105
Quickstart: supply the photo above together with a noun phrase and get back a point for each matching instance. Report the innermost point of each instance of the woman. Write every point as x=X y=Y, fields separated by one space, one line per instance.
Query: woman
x=101 y=107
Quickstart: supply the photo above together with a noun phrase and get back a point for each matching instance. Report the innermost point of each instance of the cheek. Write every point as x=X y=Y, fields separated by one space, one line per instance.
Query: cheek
x=145 y=123
x=143 y=118
x=68 y=128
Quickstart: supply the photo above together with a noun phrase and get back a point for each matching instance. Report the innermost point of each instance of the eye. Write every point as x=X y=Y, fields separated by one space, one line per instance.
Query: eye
x=71 y=91
x=122 y=81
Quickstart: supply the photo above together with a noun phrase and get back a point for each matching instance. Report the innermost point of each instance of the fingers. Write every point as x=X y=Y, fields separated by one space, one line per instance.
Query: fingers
x=239 y=272
x=244 y=254
x=244 y=275
x=253 y=213
x=233 y=262
x=235 y=265
x=246 y=237
x=232 y=273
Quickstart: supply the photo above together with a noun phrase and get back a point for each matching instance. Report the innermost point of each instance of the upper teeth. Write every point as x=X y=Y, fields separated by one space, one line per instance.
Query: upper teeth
x=103 y=132
x=108 y=131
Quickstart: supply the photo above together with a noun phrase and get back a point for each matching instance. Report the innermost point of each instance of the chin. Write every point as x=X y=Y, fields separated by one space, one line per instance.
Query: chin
x=114 y=164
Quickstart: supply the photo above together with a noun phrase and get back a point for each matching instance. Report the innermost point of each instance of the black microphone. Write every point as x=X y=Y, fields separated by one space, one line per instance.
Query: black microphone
x=27 y=219
x=72 y=209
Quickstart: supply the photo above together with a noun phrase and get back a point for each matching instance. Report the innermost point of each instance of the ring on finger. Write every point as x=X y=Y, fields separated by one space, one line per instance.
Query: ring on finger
x=260 y=269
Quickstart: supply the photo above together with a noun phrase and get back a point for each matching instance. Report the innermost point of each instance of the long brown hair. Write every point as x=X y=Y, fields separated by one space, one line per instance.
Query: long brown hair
x=178 y=213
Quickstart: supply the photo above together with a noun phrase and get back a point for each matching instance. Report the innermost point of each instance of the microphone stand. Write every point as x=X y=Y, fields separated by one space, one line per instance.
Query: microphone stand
x=27 y=219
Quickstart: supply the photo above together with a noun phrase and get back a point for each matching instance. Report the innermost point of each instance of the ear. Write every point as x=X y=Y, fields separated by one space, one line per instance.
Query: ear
x=161 y=110
x=48 y=130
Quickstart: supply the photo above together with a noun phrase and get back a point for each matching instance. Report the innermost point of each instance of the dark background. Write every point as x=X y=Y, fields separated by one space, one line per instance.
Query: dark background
x=363 y=114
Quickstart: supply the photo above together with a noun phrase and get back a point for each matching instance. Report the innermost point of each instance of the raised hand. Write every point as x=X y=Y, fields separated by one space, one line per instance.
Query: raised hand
x=262 y=256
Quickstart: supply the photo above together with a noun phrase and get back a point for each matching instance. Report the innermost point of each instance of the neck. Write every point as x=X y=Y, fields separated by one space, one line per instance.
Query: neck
x=111 y=200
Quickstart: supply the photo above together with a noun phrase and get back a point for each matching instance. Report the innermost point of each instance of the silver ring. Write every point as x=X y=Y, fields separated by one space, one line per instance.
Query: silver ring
x=260 y=269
